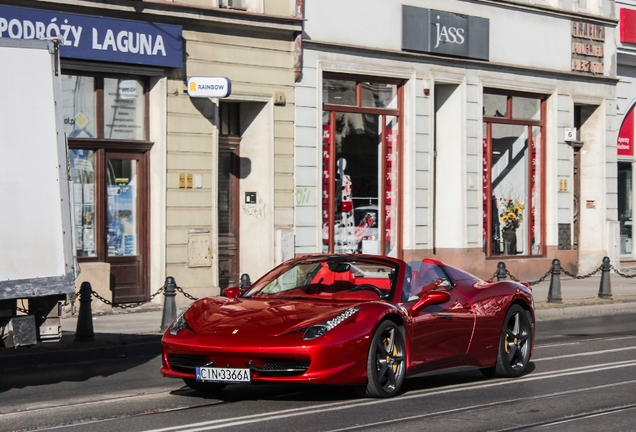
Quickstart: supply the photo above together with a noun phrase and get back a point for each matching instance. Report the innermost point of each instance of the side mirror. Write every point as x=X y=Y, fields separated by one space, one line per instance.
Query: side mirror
x=431 y=298
x=232 y=292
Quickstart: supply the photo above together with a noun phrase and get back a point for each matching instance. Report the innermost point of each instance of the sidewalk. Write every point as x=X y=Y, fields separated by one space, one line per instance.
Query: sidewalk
x=580 y=298
x=142 y=324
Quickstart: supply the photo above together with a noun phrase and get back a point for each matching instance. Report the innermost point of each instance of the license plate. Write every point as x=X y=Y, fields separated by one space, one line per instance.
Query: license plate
x=229 y=375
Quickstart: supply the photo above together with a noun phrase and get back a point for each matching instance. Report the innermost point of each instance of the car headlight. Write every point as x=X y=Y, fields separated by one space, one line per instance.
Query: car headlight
x=318 y=330
x=179 y=324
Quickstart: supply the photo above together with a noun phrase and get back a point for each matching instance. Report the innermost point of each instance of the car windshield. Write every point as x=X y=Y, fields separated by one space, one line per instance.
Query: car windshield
x=333 y=278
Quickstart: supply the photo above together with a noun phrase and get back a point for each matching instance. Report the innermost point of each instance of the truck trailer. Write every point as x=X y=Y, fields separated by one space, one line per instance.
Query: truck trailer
x=37 y=263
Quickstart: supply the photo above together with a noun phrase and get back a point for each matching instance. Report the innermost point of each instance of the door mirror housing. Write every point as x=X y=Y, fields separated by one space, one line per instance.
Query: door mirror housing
x=232 y=292
x=431 y=298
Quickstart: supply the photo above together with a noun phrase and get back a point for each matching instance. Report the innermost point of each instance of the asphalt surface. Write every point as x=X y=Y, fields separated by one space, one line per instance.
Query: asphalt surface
x=582 y=377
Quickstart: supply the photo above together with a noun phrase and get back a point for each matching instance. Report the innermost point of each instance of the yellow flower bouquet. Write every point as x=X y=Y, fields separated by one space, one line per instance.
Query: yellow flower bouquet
x=511 y=214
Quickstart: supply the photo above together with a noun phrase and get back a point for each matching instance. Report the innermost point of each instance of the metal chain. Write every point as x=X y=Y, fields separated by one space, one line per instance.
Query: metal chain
x=622 y=274
x=188 y=296
x=573 y=276
x=511 y=276
x=549 y=272
x=542 y=278
x=127 y=305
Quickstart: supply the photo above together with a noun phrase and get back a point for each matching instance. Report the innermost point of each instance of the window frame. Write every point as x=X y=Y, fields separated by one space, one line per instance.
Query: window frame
x=104 y=147
x=332 y=109
x=509 y=119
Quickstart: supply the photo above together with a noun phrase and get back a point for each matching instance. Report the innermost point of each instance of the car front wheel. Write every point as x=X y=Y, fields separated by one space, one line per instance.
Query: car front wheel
x=515 y=344
x=386 y=365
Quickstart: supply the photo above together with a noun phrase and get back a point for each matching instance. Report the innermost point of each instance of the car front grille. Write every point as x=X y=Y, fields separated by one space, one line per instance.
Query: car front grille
x=281 y=368
x=264 y=367
x=186 y=363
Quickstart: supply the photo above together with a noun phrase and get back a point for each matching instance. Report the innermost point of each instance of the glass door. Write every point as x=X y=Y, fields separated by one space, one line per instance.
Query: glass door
x=124 y=229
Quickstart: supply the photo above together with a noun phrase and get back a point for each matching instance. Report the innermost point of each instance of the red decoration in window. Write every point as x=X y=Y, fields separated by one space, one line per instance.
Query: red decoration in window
x=625 y=142
x=628 y=26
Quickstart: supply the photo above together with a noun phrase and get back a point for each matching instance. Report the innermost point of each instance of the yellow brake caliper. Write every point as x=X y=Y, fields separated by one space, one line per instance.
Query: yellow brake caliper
x=392 y=353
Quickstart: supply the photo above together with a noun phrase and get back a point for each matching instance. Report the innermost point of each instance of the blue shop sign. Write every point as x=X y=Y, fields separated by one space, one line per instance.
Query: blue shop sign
x=97 y=38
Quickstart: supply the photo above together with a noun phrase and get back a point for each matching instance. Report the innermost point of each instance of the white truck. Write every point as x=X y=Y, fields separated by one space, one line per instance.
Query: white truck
x=37 y=263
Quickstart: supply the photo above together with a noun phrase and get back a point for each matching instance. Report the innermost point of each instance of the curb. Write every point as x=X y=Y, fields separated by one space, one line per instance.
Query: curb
x=584 y=311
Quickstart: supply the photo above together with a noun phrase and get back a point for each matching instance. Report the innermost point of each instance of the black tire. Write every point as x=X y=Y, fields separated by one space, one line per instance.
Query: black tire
x=515 y=344
x=386 y=362
x=205 y=387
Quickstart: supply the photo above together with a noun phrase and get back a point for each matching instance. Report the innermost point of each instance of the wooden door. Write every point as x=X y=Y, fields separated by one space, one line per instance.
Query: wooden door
x=125 y=243
x=228 y=210
x=576 y=195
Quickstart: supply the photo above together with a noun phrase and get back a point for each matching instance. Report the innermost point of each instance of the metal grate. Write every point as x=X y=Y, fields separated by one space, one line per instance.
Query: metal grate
x=565 y=236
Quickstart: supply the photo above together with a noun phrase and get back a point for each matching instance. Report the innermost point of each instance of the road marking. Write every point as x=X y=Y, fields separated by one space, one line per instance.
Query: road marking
x=585 y=354
x=577 y=417
x=338 y=406
x=584 y=341
x=493 y=404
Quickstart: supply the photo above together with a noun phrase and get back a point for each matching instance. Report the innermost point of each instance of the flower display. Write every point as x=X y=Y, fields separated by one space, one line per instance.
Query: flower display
x=511 y=213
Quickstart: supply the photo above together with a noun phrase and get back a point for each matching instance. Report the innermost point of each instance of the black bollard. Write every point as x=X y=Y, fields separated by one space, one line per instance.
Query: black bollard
x=501 y=271
x=554 y=294
x=605 y=289
x=84 y=331
x=245 y=282
x=169 y=305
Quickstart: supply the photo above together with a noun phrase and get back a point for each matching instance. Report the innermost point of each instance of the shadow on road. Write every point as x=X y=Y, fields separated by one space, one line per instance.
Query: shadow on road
x=67 y=360
x=324 y=393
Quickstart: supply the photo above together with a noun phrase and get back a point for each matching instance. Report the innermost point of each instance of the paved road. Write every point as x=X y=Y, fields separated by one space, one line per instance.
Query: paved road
x=583 y=378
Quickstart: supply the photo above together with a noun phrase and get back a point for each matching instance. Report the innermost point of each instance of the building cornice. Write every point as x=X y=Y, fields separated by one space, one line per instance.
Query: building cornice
x=456 y=62
x=548 y=11
x=169 y=12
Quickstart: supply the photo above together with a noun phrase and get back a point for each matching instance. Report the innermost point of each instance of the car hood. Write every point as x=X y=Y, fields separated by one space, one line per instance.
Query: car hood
x=271 y=317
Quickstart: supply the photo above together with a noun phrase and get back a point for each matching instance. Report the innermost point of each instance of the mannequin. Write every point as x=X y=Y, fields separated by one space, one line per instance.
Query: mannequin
x=344 y=229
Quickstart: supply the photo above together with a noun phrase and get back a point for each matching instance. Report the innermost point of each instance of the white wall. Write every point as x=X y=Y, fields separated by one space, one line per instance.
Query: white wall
x=518 y=37
x=257 y=220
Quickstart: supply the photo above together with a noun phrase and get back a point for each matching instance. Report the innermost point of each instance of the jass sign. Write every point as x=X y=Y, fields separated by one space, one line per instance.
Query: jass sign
x=447 y=33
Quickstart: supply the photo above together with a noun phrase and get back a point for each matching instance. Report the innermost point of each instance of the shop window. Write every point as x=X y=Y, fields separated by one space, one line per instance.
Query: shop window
x=513 y=158
x=105 y=118
x=360 y=166
x=625 y=194
x=124 y=109
x=79 y=106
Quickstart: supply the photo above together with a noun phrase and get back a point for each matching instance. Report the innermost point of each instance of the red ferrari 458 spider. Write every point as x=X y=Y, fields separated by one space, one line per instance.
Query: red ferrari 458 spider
x=359 y=320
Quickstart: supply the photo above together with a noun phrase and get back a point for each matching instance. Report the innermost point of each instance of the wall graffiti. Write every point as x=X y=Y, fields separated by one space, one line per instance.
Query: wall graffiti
x=303 y=195
x=254 y=210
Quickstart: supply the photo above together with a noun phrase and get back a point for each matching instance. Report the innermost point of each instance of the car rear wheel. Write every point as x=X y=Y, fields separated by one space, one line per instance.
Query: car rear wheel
x=386 y=366
x=206 y=387
x=515 y=344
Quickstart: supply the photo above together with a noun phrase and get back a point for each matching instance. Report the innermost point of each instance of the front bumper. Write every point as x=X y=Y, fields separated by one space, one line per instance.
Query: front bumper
x=284 y=359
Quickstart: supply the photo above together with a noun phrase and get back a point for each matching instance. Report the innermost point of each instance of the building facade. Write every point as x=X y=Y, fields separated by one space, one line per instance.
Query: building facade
x=626 y=100
x=200 y=189
x=469 y=131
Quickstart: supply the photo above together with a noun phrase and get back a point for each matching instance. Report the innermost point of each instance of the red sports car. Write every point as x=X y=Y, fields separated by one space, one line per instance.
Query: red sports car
x=359 y=320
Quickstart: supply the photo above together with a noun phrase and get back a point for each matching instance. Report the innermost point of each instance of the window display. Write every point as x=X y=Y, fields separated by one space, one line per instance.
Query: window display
x=359 y=208
x=625 y=194
x=78 y=95
x=124 y=109
x=121 y=234
x=83 y=173
x=513 y=170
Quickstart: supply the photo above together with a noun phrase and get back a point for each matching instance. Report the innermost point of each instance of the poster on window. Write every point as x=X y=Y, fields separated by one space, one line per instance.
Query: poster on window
x=121 y=231
x=123 y=109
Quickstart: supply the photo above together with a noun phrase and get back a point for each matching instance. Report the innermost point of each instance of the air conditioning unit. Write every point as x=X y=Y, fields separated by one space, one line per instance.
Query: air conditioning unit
x=233 y=4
